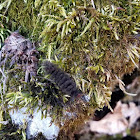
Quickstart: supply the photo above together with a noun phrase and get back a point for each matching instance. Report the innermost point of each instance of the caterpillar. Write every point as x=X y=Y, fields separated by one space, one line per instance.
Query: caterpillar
x=64 y=81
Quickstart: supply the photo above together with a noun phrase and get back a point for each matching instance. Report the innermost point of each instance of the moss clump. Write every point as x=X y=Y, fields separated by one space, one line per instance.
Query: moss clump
x=96 y=43
x=8 y=130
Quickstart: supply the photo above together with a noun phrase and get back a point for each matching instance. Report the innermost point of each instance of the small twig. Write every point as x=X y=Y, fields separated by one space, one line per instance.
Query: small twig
x=93 y=5
x=122 y=86
x=6 y=57
x=4 y=122
x=4 y=84
x=1 y=93
x=2 y=73
x=4 y=81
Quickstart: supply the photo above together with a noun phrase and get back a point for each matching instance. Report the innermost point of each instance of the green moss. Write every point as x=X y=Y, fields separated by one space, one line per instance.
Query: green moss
x=93 y=45
x=96 y=46
x=8 y=130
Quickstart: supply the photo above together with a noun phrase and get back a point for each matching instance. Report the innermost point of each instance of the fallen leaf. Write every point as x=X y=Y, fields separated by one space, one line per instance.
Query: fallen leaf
x=116 y=122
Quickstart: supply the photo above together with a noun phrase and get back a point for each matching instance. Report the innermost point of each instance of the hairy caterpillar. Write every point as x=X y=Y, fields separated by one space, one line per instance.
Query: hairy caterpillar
x=65 y=82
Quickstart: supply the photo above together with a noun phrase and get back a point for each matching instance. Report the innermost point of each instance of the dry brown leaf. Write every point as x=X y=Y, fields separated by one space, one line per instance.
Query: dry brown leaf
x=22 y=52
x=116 y=122
x=131 y=111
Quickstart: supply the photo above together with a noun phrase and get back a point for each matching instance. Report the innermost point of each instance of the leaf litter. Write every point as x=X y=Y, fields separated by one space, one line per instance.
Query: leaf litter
x=123 y=117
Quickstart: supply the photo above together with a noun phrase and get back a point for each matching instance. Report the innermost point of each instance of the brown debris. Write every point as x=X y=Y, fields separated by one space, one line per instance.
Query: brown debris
x=20 y=51
x=116 y=122
x=134 y=87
